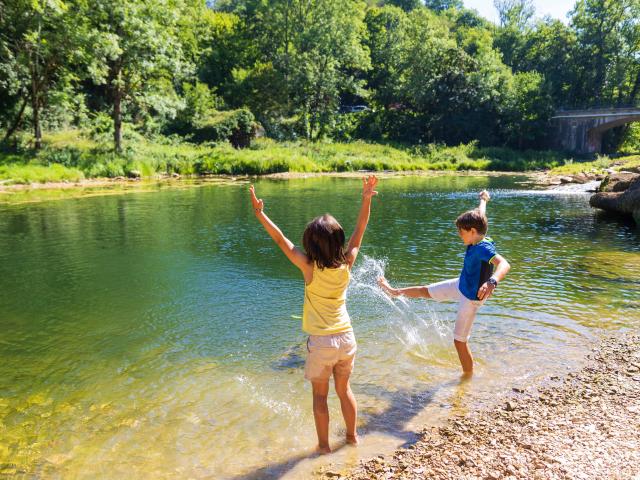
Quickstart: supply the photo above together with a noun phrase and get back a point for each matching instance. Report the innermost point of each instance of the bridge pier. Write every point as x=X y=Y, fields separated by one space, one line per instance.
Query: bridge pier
x=580 y=131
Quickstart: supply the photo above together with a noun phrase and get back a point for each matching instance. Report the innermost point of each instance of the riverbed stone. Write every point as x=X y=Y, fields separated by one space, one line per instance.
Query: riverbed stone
x=567 y=439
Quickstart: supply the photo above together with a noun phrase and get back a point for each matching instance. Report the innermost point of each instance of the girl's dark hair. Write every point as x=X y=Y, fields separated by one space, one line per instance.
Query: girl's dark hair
x=323 y=240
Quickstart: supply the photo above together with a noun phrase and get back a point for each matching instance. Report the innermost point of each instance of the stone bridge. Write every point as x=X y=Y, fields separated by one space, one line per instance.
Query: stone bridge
x=580 y=131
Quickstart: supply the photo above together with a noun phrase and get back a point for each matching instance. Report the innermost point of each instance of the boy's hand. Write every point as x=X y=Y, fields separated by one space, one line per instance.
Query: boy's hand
x=484 y=195
x=258 y=204
x=384 y=285
x=368 y=185
x=486 y=290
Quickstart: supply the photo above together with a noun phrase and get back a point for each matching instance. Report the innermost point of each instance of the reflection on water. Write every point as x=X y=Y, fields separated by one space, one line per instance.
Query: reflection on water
x=158 y=335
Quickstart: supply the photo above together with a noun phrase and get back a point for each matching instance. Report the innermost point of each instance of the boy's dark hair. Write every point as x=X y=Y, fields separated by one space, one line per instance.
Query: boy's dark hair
x=473 y=219
x=323 y=240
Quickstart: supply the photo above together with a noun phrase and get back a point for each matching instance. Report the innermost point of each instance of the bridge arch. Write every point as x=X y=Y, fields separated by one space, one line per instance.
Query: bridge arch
x=581 y=131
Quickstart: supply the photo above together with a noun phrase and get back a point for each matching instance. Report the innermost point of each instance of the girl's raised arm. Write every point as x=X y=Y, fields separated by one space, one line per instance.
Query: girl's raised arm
x=368 y=186
x=294 y=254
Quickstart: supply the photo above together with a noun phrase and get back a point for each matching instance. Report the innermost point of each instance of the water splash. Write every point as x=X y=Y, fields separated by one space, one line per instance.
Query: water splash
x=414 y=323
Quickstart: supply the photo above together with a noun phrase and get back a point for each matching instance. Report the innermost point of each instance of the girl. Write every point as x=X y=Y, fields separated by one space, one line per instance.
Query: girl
x=326 y=266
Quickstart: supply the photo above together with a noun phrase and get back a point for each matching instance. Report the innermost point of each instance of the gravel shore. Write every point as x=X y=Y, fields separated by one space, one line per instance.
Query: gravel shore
x=585 y=425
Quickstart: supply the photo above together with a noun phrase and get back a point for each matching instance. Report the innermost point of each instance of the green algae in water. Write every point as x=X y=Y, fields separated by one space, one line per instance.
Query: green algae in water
x=614 y=265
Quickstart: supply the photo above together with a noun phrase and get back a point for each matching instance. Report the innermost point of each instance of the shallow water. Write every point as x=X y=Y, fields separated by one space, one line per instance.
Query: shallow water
x=157 y=335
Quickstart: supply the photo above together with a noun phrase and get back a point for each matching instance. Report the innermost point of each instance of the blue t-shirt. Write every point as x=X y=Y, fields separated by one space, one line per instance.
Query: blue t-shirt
x=476 y=269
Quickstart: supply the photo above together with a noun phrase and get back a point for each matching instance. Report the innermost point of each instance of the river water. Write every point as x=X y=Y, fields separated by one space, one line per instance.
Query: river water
x=157 y=335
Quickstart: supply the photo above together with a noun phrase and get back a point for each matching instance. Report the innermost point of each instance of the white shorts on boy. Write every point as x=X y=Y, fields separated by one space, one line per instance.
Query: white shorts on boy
x=448 y=291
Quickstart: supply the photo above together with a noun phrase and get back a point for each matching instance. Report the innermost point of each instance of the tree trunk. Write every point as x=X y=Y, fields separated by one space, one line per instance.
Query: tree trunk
x=18 y=120
x=117 y=120
x=35 y=107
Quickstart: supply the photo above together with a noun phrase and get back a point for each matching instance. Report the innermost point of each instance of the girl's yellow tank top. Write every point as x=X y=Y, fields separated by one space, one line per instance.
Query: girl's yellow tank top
x=325 y=309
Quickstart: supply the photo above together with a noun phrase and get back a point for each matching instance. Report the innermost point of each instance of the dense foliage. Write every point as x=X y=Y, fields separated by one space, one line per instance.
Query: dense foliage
x=431 y=72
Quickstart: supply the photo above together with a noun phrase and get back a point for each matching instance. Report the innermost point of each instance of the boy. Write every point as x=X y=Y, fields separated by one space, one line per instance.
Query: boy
x=476 y=283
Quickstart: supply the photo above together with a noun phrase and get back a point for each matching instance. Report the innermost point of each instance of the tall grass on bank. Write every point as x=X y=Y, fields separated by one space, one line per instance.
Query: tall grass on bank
x=71 y=154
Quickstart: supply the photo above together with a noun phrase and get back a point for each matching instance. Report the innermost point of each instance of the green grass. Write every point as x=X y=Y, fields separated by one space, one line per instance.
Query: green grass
x=71 y=154
x=28 y=173
x=599 y=165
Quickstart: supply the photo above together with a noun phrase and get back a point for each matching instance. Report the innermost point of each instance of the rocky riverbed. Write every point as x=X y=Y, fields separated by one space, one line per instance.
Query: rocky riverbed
x=585 y=425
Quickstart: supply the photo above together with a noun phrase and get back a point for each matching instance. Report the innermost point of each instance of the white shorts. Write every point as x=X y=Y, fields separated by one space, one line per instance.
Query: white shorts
x=330 y=354
x=448 y=291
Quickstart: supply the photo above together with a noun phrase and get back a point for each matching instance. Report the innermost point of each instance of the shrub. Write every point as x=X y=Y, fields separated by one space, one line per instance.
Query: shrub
x=236 y=126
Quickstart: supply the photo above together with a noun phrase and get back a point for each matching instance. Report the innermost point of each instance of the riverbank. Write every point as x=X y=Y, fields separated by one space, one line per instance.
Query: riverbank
x=582 y=426
x=75 y=155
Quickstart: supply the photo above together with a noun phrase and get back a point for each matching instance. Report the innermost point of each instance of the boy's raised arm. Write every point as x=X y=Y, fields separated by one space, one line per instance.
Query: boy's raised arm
x=484 y=199
x=368 y=186
x=294 y=254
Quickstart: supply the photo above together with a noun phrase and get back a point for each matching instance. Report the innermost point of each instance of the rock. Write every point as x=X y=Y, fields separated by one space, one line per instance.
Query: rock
x=612 y=199
x=618 y=182
x=118 y=178
x=564 y=180
x=175 y=175
x=510 y=406
x=134 y=174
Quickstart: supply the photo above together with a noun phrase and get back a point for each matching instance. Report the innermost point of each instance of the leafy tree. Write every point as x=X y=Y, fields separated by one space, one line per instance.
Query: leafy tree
x=599 y=25
x=39 y=42
x=406 y=5
x=138 y=52
x=515 y=13
x=442 y=5
x=311 y=52
x=532 y=110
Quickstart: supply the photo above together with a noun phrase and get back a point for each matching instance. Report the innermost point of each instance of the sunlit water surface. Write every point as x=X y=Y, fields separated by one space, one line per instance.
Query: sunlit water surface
x=157 y=335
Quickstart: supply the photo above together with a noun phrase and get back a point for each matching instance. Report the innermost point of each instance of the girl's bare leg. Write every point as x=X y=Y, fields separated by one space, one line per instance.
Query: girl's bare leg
x=321 y=414
x=349 y=407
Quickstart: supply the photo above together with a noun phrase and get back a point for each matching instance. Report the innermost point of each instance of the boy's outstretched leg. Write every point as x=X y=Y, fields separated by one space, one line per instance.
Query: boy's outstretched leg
x=412 y=292
x=466 y=359
x=321 y=414
x=349 y=407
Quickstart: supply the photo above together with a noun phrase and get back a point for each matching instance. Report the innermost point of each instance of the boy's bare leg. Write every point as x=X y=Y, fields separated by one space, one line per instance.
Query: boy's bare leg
x=349 y=407
x=466 y=359
x=321 y=414
x=412 y=292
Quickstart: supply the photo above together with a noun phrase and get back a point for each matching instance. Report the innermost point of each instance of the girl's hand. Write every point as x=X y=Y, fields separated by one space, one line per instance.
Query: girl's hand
x=258 y=203
x=368 y=185
x=484 y=195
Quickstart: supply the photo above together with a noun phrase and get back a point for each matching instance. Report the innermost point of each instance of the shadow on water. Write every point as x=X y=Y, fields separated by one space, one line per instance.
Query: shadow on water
x=618 y=220
x=292 y=358
x=403 y=406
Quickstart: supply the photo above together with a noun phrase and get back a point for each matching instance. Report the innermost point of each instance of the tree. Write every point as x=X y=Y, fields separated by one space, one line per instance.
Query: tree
x=38 y=45
x=386 y=29
x=598 y=25
x=515 y=13
x=406 y=5
x=311 y=52
x=138 y=52
x=442 y=5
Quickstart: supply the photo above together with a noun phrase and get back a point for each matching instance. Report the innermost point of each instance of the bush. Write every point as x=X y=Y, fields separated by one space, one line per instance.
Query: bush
x=236 y=126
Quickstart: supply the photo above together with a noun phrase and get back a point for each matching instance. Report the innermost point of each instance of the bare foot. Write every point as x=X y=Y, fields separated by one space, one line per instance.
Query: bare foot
x=353 y=439
x=323 y=450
